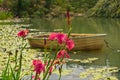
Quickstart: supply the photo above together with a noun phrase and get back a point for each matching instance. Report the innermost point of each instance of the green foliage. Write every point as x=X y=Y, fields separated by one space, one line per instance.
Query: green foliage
x=32 y=8
x=21 y=8
x=4 y=14
x=105 y=8
x=40 y=12
x=1 y=1
x=11 y=58
x=83 y=5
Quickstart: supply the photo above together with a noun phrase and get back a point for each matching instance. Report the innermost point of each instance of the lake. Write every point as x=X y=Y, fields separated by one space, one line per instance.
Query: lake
x=111 y=27
x=107 y=57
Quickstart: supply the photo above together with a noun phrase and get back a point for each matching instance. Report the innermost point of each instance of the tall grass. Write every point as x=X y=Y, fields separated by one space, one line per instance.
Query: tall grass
x=5 y=14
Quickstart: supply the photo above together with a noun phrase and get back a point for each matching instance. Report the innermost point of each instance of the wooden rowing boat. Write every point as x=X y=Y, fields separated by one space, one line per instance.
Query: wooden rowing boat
x=82 y=41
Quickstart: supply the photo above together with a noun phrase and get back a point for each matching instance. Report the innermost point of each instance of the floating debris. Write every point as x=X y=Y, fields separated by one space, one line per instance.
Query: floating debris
x=103 y=73
x=88 y=60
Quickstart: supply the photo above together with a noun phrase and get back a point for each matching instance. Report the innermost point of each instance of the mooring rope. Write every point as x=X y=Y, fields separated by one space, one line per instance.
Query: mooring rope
x=113 y=49
x=110 y=47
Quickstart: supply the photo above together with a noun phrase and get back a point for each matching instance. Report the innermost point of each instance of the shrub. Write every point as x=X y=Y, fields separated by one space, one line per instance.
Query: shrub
x=5 y=14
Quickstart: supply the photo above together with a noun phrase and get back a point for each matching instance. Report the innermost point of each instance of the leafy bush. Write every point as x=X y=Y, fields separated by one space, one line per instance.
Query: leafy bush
x=40 y=12
x=105 y=8
x=5 y=14
x=31 y=8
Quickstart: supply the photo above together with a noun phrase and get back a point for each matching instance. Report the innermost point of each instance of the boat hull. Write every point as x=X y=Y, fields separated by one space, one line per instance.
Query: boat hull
x=82 y=42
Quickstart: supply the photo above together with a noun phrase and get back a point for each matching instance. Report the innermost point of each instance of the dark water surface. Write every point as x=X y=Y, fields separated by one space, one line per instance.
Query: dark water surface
x=111 y=27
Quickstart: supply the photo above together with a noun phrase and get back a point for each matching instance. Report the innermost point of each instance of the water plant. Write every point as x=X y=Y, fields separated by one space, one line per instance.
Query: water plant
x=43 y=66
x=101 y=73
x=12 y=70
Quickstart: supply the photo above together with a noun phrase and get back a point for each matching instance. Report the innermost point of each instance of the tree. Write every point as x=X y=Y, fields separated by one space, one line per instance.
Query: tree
x=105 y=8
x=19 y=4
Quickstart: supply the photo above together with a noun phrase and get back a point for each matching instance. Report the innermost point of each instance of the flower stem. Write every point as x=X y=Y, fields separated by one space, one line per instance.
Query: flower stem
x=60 y=72
x=45 y=75
x=36 y=76
x=20 y=61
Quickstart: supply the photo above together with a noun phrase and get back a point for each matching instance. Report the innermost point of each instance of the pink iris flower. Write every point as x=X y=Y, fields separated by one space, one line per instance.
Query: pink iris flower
x=23 y=33
x=60 y=37
x=70 y=44
x=52 y=36
x=63 y=54
x=38 y=66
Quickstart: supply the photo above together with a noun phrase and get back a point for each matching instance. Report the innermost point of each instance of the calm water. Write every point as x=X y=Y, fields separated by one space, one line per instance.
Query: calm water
x=111 y=27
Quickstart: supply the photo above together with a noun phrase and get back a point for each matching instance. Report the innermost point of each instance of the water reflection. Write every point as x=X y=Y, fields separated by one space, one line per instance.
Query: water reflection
x=88 y=25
